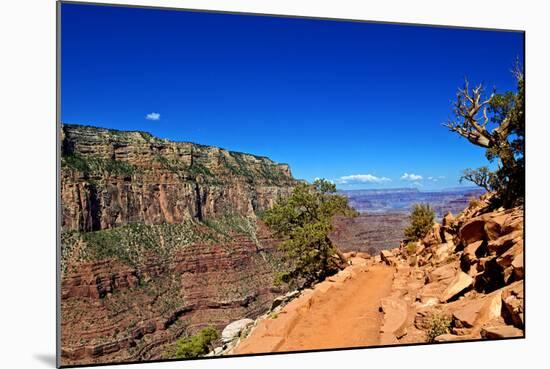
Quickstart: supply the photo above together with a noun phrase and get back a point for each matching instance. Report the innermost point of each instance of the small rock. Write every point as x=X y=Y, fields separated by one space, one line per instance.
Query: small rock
x=501 y=331
x=461 y=282
x=234 y=329
x=447 y=337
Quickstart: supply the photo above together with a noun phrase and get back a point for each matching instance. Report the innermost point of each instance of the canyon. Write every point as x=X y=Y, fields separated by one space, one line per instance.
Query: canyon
x=160 y=239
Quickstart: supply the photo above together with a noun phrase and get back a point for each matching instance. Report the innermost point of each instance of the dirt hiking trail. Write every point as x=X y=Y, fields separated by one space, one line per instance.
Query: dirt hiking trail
x=342 y=311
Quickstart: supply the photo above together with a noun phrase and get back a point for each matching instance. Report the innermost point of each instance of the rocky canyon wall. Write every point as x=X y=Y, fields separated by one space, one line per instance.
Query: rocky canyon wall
x=111 y=178
x=160 y=239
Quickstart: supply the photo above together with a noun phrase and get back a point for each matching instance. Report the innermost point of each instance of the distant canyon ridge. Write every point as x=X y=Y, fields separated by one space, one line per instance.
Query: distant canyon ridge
x=384 y=214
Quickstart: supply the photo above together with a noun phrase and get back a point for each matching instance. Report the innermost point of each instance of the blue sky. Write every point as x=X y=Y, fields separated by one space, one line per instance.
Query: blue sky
x=361 y=104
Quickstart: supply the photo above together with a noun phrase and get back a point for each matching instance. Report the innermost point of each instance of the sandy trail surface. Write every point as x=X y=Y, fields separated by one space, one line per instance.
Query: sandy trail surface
x=342 y=311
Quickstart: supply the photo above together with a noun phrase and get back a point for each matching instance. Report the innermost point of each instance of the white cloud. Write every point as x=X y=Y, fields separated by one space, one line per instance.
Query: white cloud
x=361 y=178
x=153 y=116
x=411 y=177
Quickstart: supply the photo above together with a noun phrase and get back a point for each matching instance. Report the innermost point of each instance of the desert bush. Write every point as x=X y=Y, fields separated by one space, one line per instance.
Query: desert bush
x=439 y=324
x=422 y=219
x=196 y=345
x=411 y=247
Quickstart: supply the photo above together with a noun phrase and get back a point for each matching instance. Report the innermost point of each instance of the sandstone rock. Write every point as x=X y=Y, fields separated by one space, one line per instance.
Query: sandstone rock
x=443 y=251
x=512 y=300
x=506 y=259
x=448 y=220
x=469 y=254
x=451 y=337
x=479 y=311
x=387 y=257
x=501 y=331
x=426 y=302
x=233 y=330
x=395 y=316
x=514 y=222
x=433 y=237
x=460 y=283
x=472 y=231
x=443 y=273
x=517 y=266
x=502 y=244
x=493 y=225
x=364 y=255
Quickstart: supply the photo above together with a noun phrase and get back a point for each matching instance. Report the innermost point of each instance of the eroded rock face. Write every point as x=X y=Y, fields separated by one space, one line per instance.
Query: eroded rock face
x=146 y=257
x=111 y=178
x=111 y=311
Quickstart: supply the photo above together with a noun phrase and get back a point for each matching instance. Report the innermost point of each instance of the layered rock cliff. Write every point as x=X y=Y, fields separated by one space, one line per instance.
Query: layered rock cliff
x=111 y=178
x=160 y=239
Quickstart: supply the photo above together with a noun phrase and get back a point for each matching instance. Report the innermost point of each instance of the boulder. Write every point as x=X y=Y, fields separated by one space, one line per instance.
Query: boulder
x=512 y=300
x=447 y=337
x=443 y=251
x=233 y=330
x=448 y=220
x=459 y=284
x=433 y=237
x=517 y=266
x=506 y=259
x=500 y=331
x=396 y=313
x=478 y=311
x=387 y=257
x=443 y=273
x=493 y=224
x=514 y=222
x=469 y=254
x=426 y=302
x=472 y=231
x=502 y=244
x=364 y=255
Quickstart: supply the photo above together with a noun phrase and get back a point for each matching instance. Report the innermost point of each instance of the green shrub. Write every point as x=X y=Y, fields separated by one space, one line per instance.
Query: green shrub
x=411 y=247
x=196 y=345
x=422 y=219
x=439 y=324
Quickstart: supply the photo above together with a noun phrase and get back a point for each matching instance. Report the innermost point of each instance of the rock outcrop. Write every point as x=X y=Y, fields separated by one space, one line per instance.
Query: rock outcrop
x=464 y=280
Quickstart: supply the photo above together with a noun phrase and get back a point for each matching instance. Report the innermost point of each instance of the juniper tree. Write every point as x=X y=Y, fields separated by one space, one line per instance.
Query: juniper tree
x=304 y=220
x=496 y=123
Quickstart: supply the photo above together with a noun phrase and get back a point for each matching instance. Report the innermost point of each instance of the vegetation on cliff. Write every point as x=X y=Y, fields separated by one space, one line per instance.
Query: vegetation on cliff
x=505 y=142
x=304 y=220
x=195 y=345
